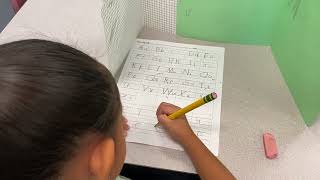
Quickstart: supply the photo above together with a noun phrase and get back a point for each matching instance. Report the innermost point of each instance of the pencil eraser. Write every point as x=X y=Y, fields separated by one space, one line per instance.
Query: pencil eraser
x=270 y=146
x=215 y=95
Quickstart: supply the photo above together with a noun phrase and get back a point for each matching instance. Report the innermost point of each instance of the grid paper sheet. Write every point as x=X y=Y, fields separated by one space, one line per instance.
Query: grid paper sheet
x=159 y=71
x=122 y=21
x=160 y=15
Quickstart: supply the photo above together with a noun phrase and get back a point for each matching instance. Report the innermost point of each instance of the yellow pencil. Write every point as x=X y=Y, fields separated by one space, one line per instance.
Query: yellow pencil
x=192 y=106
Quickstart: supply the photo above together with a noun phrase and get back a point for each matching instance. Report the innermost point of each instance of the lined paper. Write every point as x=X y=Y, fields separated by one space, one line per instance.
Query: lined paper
x=159 y=71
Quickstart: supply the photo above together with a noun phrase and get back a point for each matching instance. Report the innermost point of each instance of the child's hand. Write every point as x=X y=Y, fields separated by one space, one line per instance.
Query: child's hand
x=206 y=164
x=179 y=129
x=126 y=127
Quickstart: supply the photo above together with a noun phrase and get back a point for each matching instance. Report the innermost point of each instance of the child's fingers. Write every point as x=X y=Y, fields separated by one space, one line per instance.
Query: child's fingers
x=125 y=123
x=163 y=119
x=166 y=108
x=126 y=127
x=124 y=119
x=161 y=108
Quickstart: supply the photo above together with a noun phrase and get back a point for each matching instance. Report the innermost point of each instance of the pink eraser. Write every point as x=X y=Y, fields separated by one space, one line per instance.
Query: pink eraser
x=270 y=146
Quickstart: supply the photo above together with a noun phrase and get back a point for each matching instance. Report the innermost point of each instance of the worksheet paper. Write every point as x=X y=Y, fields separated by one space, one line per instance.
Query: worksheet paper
x=159 y=71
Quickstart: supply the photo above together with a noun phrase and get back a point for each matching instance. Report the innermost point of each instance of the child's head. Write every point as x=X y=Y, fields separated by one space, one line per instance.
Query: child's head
x=60 y=114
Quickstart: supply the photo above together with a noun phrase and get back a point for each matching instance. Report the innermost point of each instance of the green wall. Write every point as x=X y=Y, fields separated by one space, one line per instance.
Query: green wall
x=291 y=27
x=234 y=21
x=296 y=46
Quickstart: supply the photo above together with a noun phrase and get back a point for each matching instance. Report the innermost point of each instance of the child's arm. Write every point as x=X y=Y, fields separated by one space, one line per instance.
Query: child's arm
x=206 y=164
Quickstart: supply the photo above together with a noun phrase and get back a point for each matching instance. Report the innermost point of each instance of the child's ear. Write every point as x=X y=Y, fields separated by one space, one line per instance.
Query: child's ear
x=102 y=159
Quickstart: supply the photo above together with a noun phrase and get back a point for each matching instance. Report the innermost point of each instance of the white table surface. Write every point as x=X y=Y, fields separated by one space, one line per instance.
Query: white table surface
x=255 y=96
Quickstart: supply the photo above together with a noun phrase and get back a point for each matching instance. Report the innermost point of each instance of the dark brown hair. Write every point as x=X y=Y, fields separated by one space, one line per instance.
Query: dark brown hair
x=50 y=95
